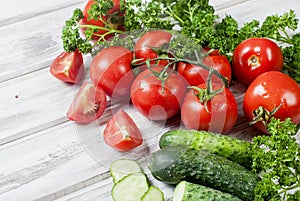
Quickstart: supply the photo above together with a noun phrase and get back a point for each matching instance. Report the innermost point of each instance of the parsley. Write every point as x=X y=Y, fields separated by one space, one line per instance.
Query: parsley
x=71 y=36
x=277 y=159
x=193 y=18
x=145 y=14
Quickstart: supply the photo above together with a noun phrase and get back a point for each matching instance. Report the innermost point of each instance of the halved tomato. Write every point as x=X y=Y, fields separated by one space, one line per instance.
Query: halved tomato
x=121 y=132
x=68 y=66
x=88 y=104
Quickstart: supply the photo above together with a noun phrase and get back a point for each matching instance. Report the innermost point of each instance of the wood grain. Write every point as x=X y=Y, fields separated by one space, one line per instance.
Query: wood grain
x=44 y=156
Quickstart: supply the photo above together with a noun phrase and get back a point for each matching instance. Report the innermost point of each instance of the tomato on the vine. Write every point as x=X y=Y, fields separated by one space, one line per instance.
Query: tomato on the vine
x=216 y=112
x=111 y=70
x=113 y=18
x=272 y=94
x=88 y=104
x=121 y=132
x=255 y=56
x=152 y=39
x=68 y=66
x=196 y=75
x=158 y=98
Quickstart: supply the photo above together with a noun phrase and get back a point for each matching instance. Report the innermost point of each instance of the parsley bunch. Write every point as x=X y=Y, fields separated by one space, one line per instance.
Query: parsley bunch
x=277 y=159
x=193 y=18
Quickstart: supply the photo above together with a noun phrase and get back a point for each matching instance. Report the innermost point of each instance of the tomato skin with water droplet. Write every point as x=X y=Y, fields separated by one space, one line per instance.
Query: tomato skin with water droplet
x=271 y=90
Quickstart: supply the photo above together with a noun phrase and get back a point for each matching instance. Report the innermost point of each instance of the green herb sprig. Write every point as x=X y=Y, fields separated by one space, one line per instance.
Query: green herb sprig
x=277 y=159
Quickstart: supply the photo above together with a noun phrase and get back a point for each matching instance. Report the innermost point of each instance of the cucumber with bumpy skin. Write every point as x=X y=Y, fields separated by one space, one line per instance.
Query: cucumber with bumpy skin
x=231 y=148
x=186 y=191
x=131 y=188
x=174 y=164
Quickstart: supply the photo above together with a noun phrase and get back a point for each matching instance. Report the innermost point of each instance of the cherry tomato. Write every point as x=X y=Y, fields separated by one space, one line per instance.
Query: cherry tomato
x=111 y=71
x=113 y=18
x=155 y=38
x=255 y=56
x=88 y=104
x=218 y=114
x=269 y=91
x=68 y=66
x=121 y=132
x=157 y=99
x=196 y=75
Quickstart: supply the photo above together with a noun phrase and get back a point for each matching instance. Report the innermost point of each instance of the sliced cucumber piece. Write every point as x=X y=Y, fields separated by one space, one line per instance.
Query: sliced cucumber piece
x=131 y=188
x=122 y=167
x=153 y=194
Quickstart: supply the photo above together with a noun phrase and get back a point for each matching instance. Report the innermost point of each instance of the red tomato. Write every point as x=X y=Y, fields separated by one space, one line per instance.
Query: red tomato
x=271 y=90
x=212 y=52
x=196 y=75
x=154 y=101
x=255 y=56
x=219 y=115
x=155 y=38
x=68 y=66
x=121 y=132
x=111 y=71
x=88 y=104
x=114 y=18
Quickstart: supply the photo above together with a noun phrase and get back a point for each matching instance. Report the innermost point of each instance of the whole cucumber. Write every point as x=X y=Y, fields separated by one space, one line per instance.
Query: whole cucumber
x=231 y=148
x=186 y=191
x=174 y=164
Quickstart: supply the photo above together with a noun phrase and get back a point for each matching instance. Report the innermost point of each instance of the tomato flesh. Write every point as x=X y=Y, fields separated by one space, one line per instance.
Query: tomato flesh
x=88 y=104
x=68 y=66
x=219 y=115
x=122 y=133
x=255 y=56
x=271 y=90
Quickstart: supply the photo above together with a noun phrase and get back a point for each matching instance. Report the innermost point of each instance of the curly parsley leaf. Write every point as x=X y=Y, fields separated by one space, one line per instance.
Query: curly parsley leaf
x=144 y=14
x=71 y=36
x=276 y=158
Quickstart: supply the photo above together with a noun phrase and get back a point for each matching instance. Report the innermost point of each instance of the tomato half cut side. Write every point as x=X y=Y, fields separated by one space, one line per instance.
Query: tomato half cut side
x=88 y=104
x=122 y=133
x=68 y=66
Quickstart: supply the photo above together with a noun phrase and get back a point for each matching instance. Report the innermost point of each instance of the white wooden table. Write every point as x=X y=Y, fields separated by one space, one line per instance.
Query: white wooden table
x=43 y=155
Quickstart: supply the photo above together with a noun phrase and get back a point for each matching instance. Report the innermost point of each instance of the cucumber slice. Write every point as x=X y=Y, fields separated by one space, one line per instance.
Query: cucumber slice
x=122 y=167
x=131 y=188
x=153 y=194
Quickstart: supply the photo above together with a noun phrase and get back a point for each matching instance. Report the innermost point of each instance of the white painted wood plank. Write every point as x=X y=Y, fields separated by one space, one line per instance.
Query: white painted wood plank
x=16 y=11
x=50 y=164
x=32 y=44
x=53 y=162
x=259 y=10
